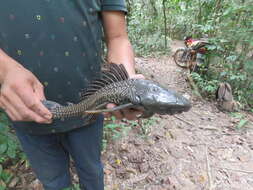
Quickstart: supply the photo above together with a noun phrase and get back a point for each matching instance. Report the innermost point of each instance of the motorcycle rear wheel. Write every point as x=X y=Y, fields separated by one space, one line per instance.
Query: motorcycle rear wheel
x=181 y=58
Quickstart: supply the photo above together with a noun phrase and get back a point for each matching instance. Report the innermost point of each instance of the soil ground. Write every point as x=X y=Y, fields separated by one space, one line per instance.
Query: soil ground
x=195 y=150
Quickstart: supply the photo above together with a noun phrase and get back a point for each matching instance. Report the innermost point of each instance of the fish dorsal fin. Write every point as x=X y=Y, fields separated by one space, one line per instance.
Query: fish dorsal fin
x=118 y=71
x=110 y=73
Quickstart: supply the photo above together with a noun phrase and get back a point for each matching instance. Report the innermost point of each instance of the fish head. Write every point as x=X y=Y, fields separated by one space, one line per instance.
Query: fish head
x=153 y=97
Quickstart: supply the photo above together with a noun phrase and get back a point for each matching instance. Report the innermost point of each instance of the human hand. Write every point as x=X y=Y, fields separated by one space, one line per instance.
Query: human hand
x=21 y=94
x=128 y=113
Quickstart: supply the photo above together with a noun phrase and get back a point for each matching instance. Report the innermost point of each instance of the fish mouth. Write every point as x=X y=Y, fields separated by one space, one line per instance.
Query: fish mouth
x=173 y=109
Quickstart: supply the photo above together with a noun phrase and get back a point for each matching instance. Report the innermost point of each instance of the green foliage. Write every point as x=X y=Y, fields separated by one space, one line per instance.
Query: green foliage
x=243 y=121
x=74 y=187
x=208 y=87
x=114 y=129
x=9 y=149
x=228 y=24
x=8 y=142
x=146 y=29
x=147 y=124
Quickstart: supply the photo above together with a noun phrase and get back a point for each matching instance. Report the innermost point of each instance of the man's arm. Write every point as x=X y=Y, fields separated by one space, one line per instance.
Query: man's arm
x=21 y=92
x=119 y=51
x=118 y=44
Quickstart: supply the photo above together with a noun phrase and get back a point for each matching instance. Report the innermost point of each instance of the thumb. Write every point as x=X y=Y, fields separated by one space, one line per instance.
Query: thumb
x=138 y=76
x=38 y=90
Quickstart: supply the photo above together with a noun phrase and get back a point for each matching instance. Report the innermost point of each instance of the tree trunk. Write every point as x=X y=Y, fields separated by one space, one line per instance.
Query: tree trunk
x=165 y=24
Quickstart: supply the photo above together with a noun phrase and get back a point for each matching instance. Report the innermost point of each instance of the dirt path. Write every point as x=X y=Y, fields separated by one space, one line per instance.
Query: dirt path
x=200 y=149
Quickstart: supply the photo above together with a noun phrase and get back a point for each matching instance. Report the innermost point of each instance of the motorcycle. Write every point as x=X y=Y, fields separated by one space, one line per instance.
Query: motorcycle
x=191 y=57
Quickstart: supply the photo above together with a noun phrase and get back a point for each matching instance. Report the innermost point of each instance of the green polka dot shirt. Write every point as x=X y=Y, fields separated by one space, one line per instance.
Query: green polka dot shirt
x=60 y=42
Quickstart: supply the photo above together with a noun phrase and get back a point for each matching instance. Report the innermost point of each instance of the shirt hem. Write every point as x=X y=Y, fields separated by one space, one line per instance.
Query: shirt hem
x=114 y=8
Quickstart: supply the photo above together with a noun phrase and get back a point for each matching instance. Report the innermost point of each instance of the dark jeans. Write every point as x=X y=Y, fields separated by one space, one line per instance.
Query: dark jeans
x=49 y=156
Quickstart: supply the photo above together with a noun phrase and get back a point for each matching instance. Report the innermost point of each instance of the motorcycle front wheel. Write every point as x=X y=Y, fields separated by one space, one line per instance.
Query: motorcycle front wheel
x=181 y=58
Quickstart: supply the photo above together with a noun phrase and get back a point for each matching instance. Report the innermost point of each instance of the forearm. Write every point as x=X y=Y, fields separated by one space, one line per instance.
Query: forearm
x=121 y=51
x=119 y=47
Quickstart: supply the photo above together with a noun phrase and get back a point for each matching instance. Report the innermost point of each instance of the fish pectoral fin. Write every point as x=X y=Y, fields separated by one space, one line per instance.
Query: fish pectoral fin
x=90 y=118
x=123 y=106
